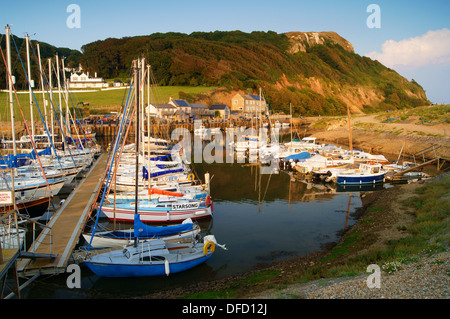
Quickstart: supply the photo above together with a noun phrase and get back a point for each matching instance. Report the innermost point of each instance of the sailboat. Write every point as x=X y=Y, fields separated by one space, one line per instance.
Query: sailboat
x=121 y=238
x=155 y=257
x=152 y=257
x=160 y=210
x=34 y=190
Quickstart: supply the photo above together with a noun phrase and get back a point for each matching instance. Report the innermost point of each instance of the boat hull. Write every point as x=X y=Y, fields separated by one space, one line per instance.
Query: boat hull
x=359 y=179
x=142 y=270
x=32 y=208
x=156 y=216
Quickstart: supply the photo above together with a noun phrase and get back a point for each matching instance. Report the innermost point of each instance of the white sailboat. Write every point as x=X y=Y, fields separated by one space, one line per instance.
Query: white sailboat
x=152 y=257
x=121 y=238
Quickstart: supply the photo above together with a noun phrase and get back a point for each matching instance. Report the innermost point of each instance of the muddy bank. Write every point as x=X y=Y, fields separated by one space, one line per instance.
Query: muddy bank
x=387 y=144
x=369 y=134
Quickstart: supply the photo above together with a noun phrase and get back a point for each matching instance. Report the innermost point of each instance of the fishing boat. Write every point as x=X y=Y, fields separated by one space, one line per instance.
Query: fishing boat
x=365 y=174
x=121 y=238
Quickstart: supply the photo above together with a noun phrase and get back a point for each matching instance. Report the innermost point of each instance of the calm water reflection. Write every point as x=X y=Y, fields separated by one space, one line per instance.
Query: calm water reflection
x=260 y=218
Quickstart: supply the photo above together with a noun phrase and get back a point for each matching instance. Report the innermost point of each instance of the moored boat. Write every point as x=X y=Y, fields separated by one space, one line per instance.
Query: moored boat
x=151 y=258
x=160 y=210
x=121 y=238
x=365 y=174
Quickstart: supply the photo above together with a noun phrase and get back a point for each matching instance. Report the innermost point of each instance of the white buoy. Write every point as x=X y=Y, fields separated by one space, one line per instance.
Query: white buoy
x=207 y=182
x=167 y=267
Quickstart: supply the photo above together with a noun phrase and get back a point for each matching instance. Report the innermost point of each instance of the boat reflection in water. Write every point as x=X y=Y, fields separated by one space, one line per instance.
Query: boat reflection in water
x=261 y=217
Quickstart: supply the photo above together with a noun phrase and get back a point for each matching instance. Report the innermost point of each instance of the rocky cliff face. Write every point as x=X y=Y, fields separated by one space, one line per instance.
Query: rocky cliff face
x=301 y=40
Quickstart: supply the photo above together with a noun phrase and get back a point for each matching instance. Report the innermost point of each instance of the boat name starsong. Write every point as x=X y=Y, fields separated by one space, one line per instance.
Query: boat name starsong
x=185 y=206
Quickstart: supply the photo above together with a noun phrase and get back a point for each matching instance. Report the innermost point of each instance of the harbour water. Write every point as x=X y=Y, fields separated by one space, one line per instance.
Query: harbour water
x=260 y=219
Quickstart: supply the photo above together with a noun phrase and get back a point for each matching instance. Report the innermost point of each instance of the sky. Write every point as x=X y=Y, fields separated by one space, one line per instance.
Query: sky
x=412 y=37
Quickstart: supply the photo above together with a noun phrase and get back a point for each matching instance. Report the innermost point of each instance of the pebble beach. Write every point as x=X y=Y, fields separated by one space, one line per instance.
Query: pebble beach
x=426 y=278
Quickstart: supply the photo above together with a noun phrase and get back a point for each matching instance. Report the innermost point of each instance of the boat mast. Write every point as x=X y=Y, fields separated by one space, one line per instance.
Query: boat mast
x=27 y=41
x=66 y=97
x=148 y=125
x=260 y=120
x=290 y=107
x=136 y=101
x=42 y=85
x=350 y=129
x=51 y=101
x=142 y=107
x=63 y=128
x=11 y=101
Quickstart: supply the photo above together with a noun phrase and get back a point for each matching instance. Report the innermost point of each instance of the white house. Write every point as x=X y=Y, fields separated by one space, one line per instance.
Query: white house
x=162 y=110
x=84 y=81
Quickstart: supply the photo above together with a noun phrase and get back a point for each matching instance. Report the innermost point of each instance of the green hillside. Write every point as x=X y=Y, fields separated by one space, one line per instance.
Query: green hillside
x=100 y=101
x=317 y=72
x=323 y=78
x=72 y=59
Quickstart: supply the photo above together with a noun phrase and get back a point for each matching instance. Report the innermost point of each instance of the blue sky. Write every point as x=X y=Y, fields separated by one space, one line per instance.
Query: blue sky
x=404 y=24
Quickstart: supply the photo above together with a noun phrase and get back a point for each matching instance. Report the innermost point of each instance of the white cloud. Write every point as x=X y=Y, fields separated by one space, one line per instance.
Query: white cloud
x=430 y=48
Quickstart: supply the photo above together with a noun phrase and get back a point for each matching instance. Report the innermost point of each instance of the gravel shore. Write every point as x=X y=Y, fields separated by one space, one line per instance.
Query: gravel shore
x=426 y=278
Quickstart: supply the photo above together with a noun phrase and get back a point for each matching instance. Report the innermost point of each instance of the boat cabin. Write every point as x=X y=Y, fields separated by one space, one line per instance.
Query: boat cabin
x=370 y=168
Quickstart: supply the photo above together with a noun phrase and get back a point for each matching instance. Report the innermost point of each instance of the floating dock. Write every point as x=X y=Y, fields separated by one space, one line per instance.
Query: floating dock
x=51 y=251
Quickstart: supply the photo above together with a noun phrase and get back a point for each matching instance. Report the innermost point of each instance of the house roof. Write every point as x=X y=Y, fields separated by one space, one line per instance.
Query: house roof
x=252 y=97
x=181 y=102
x=256 y=97
x=218 y=107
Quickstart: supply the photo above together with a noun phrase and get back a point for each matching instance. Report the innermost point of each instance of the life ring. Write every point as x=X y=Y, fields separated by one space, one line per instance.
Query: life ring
x=208 y=201
x=207 y=245
x=191 y=177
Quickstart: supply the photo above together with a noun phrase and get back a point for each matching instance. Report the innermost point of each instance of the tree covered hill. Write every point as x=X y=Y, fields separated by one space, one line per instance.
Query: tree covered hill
x=72 y=59
x=316 y=72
